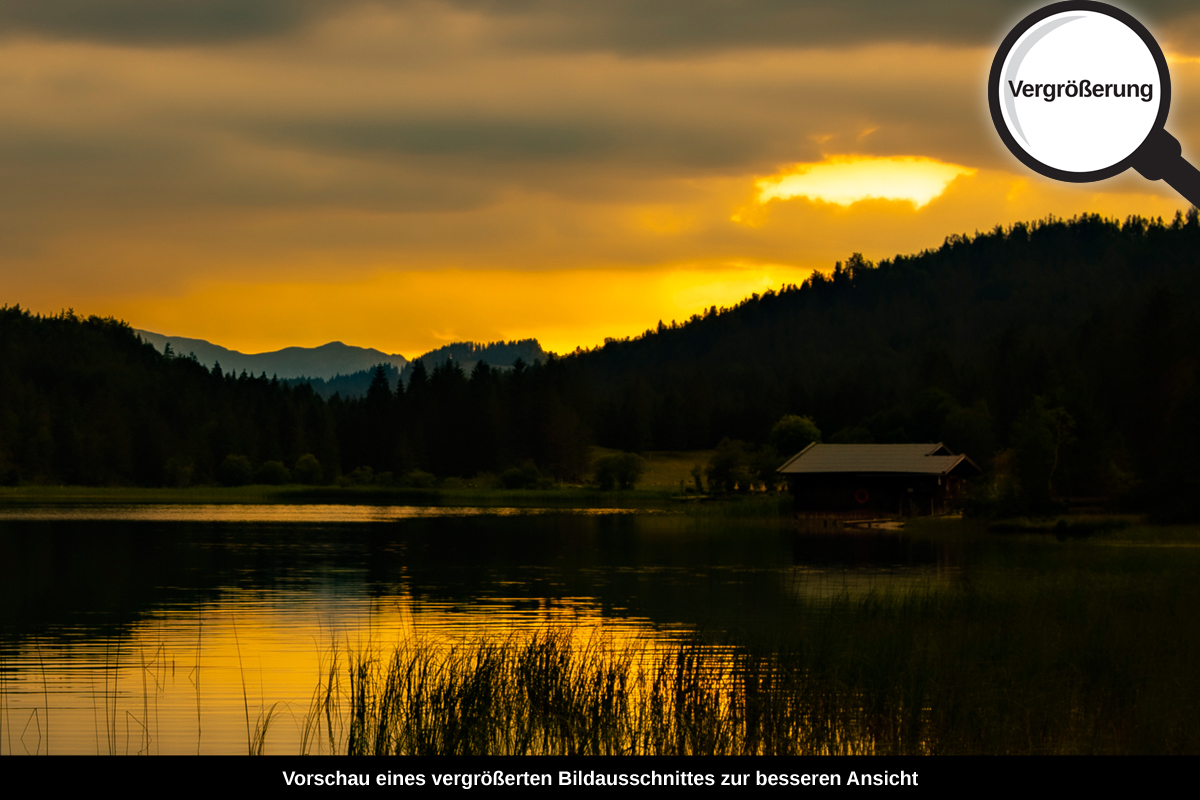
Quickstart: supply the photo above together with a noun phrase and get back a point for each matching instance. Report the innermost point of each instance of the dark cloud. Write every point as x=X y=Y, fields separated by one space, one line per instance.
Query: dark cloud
x=158 y=21
x=633 y=27
x=644 y=27
x=523 y=141
x=682 y=26
x=482 y=138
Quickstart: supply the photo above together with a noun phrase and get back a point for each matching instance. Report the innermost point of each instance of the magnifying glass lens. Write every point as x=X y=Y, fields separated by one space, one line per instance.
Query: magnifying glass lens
x=1080 y=91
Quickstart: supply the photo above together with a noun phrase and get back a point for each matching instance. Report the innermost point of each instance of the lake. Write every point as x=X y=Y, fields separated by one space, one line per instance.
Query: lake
x=177 y=629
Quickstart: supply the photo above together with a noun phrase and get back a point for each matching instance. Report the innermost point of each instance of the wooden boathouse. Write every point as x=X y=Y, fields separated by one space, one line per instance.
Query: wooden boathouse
x=876 y=480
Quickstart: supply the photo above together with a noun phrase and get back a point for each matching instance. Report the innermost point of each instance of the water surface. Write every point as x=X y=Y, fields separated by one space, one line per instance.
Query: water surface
x=175 y=628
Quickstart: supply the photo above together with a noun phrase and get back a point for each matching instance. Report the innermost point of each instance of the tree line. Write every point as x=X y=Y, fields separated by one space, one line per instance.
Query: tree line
x=1057 y=354
x=85 y=401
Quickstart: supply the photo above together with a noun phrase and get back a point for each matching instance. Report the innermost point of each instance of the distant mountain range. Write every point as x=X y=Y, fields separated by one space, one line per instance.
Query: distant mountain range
x=337 y=368
x=326 y=362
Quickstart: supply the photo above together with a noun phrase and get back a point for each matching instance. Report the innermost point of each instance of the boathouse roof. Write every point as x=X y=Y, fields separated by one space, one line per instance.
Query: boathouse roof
x=896 y=459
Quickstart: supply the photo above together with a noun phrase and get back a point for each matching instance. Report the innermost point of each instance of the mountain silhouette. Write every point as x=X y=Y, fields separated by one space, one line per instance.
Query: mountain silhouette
x=326 y=362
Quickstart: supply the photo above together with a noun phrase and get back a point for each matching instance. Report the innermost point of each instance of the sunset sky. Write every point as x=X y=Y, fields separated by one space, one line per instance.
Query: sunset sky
x=399 y=175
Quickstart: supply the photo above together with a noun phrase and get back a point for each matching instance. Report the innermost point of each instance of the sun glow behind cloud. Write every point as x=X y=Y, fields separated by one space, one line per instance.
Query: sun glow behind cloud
x=401 y=179
x=847 y=179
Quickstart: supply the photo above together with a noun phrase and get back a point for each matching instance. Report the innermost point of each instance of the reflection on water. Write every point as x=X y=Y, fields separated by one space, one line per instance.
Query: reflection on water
x=173 y=681
x=278 y=513
x=171 y=629
x=855 y=563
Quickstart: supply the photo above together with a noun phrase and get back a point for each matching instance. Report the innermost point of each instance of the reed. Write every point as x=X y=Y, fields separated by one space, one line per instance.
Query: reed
x=546 y=694
x=1083 y=662
x=5 y=716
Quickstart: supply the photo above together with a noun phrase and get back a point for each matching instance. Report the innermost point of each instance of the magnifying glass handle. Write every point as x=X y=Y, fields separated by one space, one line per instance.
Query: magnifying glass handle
x=1161 y=158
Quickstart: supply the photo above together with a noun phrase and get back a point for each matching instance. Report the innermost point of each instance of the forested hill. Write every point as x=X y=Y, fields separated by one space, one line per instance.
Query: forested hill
x=467 y=355
x=1090 y=322
x=86 y=401
x=1068 y=345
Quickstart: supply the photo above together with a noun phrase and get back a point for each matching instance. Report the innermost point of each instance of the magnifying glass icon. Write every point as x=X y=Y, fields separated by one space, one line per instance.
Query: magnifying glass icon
x=1079 y=91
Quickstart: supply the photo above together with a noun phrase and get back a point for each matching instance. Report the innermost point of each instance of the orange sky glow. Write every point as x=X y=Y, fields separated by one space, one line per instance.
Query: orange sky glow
x=402 y=175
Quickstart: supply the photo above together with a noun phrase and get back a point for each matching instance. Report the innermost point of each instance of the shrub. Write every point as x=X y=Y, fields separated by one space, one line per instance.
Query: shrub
x=728 y=469
x=178 y=472
x=523 y=477
x=273 y=473
x=361 y=476
x=619 y=470
x=419 y=479
x=235 y=471
x=307 y=469
x=793 y=433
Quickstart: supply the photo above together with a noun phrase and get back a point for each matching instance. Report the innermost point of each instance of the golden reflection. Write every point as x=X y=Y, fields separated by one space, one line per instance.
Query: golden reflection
x=283 y=513
x=223 y=679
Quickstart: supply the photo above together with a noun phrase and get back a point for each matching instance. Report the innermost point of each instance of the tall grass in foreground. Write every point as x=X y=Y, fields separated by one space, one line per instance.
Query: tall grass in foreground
x=1064 y=664
x=545 y=695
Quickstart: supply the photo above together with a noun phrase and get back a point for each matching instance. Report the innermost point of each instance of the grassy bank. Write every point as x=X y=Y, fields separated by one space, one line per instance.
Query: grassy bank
x=557 y=496
x=192 y=495
x=665 y=471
